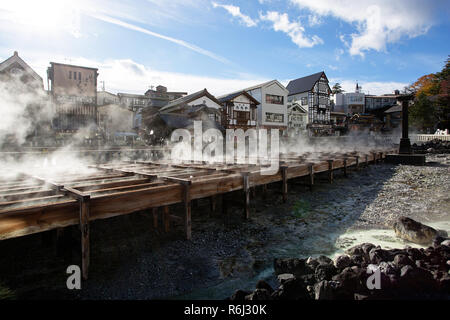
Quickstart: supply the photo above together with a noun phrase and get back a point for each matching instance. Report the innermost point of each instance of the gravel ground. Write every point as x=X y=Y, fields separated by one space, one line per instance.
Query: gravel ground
x=130 y=260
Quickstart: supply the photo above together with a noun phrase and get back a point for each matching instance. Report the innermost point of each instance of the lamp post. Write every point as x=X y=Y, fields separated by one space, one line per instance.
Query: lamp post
x=405 y=155
x=405 y=143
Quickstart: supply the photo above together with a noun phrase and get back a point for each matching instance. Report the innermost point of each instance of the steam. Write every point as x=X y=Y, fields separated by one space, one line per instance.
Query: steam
x=24 y=110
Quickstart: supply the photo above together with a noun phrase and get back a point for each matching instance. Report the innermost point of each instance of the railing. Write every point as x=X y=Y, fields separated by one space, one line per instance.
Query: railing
x=429 y=137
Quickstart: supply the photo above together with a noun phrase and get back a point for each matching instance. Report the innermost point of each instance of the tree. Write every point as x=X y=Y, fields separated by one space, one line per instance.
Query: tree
x=337 y=88
x=445 y=73
x=427 y=84
x=422 y=114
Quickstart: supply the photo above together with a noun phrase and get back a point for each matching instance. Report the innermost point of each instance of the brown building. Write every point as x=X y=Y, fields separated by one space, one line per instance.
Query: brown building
x=239 y=110
x=74 y=93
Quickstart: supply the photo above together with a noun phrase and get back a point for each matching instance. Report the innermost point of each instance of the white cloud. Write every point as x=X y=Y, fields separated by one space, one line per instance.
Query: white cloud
x=293 y=29
x=182 y=43
x=378 y=22
x=236 y=12
x=314 y=20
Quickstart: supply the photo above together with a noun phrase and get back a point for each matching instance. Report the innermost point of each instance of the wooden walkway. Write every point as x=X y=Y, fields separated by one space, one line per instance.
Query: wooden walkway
x=32 y=204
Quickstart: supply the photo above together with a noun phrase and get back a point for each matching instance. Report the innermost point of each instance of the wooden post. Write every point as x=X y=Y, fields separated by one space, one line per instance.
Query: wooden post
x=284 y=182
x=213 y=203
x=84 y=226
x=264 y=189
x=330 y=171
x=155 y=217
x=311 y=176
x=225 y=208
x=345 y=167
x=367 y=160
x=374 y=154
x=381 y=157
x=357 y=162
x=245 y=177
x=166 y=219
x=187 y=211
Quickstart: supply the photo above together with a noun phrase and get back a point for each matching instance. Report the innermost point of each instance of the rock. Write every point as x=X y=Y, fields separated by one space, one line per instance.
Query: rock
x=327 y=290
x=324 y=260
x=292 y=289
x=415 y=280
x=376 y=255
x=297 y=267
x=388 y=268
x=312 y=263
x=350 y=280
x=402 y=260
x=358 y=296
x=361 y=249
x=239 y=295
x=258 y=295
x=343 y=261
x=411 y=230
x=264 y=285
x=325 y=272
x=284 y=277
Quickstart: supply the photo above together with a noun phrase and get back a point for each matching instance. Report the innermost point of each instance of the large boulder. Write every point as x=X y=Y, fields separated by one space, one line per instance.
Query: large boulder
x=411 y=230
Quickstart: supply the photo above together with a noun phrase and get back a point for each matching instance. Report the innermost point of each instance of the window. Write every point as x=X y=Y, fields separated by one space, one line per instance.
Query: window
x=304 y=101
x=70 y=74
x=274 y=117
x=272 y=99
x=242 y=115
x=74 y=76
x=79 y=75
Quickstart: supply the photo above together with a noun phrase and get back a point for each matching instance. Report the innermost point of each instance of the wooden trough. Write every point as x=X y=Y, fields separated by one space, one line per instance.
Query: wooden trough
x=31 y=204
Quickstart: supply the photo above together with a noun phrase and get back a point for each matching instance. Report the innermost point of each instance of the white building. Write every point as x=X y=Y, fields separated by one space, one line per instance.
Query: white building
x=350 y=102
x=272 y=107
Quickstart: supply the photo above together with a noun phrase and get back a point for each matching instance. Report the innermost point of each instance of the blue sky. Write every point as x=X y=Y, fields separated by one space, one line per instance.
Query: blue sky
x=225 y=45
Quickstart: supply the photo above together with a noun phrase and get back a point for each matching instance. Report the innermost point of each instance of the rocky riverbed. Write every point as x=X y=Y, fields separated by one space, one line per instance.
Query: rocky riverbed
x=130 y=260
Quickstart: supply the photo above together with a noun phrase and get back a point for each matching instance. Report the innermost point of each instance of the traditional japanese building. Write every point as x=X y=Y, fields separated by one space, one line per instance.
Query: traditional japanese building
x=239 y=110
x=14 y=68
x=313 y=92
